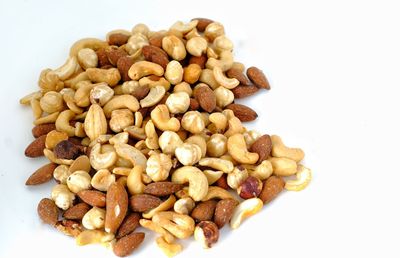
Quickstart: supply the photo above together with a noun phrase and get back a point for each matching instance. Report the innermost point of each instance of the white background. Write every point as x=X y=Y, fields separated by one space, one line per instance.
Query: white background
x=334 y=67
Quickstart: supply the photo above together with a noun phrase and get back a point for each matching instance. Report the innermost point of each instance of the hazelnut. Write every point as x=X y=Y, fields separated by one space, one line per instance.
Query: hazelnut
x=250 y=187
x=207 y=233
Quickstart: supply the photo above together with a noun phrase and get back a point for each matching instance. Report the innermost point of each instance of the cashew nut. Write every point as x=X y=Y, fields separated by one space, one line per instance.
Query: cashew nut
x=283 y=166
x=136 y=42
x=143 y=68
x=155 y=95
x=92 y=43
x=100 y=160
x=87 y=58
x=62 y=122
x=169 y=141
x=183 y=87
x=279 y=150
x=198 y=184
x=149 y=224
x=162 y=120
x=158 y=166
x=184 y=205
x=244 y=210
x=184 y=27
x=199 y=141
x=169 y=249
x=219 y=121
x=119 y=138
x=207 y=77
x=214 y=30
x=164 y=206
x=225 y=61
x=95 y=236
x=136 y=132
x=215 y=192
x=179 y=225
x=303 y=178
x=51 y=102
x=238 y=150
x=102 y=180
x=262 y=171
x=212 y=176
x=119 y=102
x=225 y=166
x=152 y=82
x=229 y=83
x=82 y=94
x=151 y=136
x=134 y=180
x=68 y=69
x=48 y=80
x=222 y=43
x=52 y=157
x=100 y=94
x=121 y=119
x=26 y=100
x=110 y=76
x=136 y=157
x=174 y=47
x=250 y=137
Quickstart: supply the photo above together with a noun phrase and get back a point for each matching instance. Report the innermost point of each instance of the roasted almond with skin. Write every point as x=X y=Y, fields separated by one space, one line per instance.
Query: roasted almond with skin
x=35 y=149
x=118 y=39
x=130 y=223
x=199 y=60
x=206 y=98
x=93 y=198
x=204 y=210
x=258 y=78
x=42 y=175
x=244 y=113
x=271 y=188
x=224 y=211
x=144 y=202
x=102 y=57
x=123 y=65
x=262 y=146
x=116 y=208
x=202 y=24
x=156 y=41
x=48 y=211
x=237 y=74
x=127 y=244
x=43 y=129
x=244 y=91
x=155 y=55
x=77 y=211
x=141 y=92
x=114 y=54
x=162 y=188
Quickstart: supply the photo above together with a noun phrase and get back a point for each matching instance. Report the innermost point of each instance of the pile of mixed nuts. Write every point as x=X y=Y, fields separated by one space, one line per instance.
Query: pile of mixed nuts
x=141 y=130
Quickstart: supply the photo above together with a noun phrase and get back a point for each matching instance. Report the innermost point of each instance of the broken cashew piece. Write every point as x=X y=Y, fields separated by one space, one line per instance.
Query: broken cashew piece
x=164 y=206
x=149 y=224
x=216 y=192
x=134 y=180
x=238 y=150
x=198 y=183
x=303 y=179
x=229 y=83
x=62 y=122
x=68 y=69
x=283 y=166
x=244 y=210
x=179 y=225
x=279 y=150
x=87 y=237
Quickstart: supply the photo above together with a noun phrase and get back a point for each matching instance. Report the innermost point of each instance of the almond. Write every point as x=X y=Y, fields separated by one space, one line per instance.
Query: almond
x=118 y=39
x=206 y=98
x=43 y=129
x=244 y=113
x=262 y=146
x=202 y=24
x=130 y=223
x=127 y=244
x=162 y=188
x=77 y=211
x=224 y=211
x=237 y=74
x=123 y=65
x=93 y=198
x=258 y=78
x=144 y=202
x=271 y=188
x=244 y=91
x=117 y=206
x=42 y=175
x=114 y=54
x=35 y=149
x=156 y=41
x=155 y=55
x=141 y=92
x=48 y=211
x=204 y=210
x=102 y=57
x=199 y=60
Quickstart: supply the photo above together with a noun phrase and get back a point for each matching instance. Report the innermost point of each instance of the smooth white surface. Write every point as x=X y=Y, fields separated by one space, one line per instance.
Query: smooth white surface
x=334 y=70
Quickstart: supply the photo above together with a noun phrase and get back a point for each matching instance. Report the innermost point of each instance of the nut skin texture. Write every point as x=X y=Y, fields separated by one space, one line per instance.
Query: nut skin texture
x=118 y=39
x=42 y=129
x=127 y=244
x=250 y=187
x=207 y=233
x=66 y=150
x=224 y=211
x=155 y=55
x=123 y=65
x=162 y=188
x=144 y=202
x=262 y=146
x=117 y=207
x=258 y=78
x=206 y=98
x=237 y=74
x=244 y=113
x=271 y=188
x=202 y=24
x=114 y=54
x=130 y=223
x=102 y=57
x=93 y=197
x=42 y=175
x=77 y=211
x=222 y=182
x=48 y=211
x=199 y=60
x=204 y=210
x=35 y=149
x=244 y=91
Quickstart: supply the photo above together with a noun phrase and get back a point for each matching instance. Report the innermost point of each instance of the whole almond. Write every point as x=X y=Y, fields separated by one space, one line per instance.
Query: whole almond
x=244 y=113
x=199 y=60
x=42 y=175
x=77 y=211
x=141 y=92
x=206 y=98
x=258 y=78
x=194 y=104
x=156 y=41
x=116 y=208
x=144 y=202
x=93 y=198
x=162 y=188
x=118 y=39
x=48 y=211
x=202 y=24
x=42 y=129
x=222 y=182
x=236 y=73
x=114 y=54
x=244 y=91
x=35 y=149
x=155 y=55
x=127 y=244
x=102 y=57
x=123 y=65
x=204 y=210
x=224 y=211
x=262 y=146
x=271 y=188
x=95 y=122
x=130 y=223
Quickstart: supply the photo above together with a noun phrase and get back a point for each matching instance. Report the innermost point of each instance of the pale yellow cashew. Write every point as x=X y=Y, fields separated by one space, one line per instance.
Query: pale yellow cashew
x=110 y=76
x=68 y=95
x=225 y=61
x=26 y=100
x=62 y=122
x=283 y=166
x=120 y=102
x=87 y=237
x=244 y=210
x=303 y=178
x=198 y=183
x=52 y=157
x=149 y=224
x=212 y=176
x=102 y=180
x=169 y=249
x=162 y=120
x=144 y=68
x=199 y=141
x=151 y=136
x=155 y=95
x=179 y=225
x=135 y=156
x=184 y=27
x=184 y=205
x=134 y=180
x=68 y=69
x=164 y=206
x=100 y=160
x=234 y=127
x=238 y=150
x=279 y=150
x=82 y=94
x=229 y=83
x=217 y=164
x=262 y=171
x=92 y=43
x=71 y=83
x=215 y=192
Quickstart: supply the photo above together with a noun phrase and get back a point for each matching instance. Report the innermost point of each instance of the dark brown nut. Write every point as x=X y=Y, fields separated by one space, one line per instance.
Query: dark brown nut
x=144 y=111
x=236 y=73
x=250 y=187
x=35 y=149
x=224 y=211
x=77 y=211
x=123 y=65
x=69 y=227
x=222 y=182
x=127 y=244
x=194 y=104
x=42 y=175
x=66 y=150
x=199 y=60
x=244 y=113
x=207 y=233
x=93 y=197
x=206 y=98
x=156 y=41
x=162 y=188
x=204 y=210
x=130 y=223
x=48 y=211
x=141 y=92
x=203 y=23
x=244 y=91
x=114 y=54
x=118 y=39
x=155 y=55
x=271 y=188
x=258 y=78
x=43 y=129
x=144 y=202
x=262 y=146
x=102 y=57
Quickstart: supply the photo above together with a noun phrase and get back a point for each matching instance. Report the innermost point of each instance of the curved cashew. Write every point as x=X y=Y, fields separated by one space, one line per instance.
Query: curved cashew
x=179 y=225
x=164 y=206
x=219 y=121
x=102 y=180
x=95 y=236
x=132 y=154
x=184 y=27
x=207 y=77
x=215 y=192
x=222 y=43
x=229 y=83
x=110 y=76
x=163 y=121
x=283 y=166
x=155 y=95
x=68 y=69
x=303 y=178
x=62 y=122
x=119 y=102
x=169 y=238
x=225 y=61
x=134 y=180
x=198 y=184
x=143 y=68
x=244 y=210
x=136 y=132
x=119 y=138
x=103 y=138
x=212 y=176
x=100 y=160
x=82 y=94
x=217 y=164
x=92 y=43
x=71 y=83
x=279 y=150
x=151 y=136
x=184 y=205
x=68 y=95
x=238 y=150
x=262 y=171
x=169 y=249
x=26 y=100
x=234 y=127
x=87 y=58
